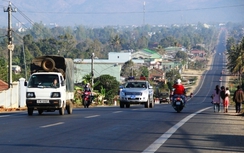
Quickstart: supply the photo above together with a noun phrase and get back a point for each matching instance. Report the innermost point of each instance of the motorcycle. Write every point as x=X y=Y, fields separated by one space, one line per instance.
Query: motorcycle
x=86 y=99
x=178 y=103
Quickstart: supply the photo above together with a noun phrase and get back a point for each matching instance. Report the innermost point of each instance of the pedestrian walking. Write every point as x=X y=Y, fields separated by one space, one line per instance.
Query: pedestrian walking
x=226 y=101
x=216 y=98
x=222 y=96
x=238 y=98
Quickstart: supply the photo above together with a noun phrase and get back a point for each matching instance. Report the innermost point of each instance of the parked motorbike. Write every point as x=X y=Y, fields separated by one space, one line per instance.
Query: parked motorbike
x=178 y=103
x=86 y=99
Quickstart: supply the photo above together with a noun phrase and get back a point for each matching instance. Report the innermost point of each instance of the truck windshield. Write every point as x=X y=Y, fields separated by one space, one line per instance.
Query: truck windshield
x=136 y=85
x=44 y=81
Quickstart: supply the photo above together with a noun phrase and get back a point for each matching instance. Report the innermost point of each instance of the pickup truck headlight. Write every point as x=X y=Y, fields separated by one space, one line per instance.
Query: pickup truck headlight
x=122 y=93
x=55 y=95
x=30 y=95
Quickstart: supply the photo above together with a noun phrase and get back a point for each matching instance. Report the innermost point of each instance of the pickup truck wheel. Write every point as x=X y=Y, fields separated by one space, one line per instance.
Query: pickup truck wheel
x=152 y=104
x=147 y=103
x=61 y=111
x=69 y=108
x=30 y=111
x=122 y=105
x=127 y=105
x=40 y=111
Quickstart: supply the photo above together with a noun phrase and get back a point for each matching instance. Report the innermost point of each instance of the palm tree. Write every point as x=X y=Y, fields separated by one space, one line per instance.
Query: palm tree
x=235 y=59
x=116 y=43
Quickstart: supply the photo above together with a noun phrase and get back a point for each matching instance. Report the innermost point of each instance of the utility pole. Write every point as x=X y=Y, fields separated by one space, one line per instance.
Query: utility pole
x=144 y=13
x=10 y=43
x=92 y=71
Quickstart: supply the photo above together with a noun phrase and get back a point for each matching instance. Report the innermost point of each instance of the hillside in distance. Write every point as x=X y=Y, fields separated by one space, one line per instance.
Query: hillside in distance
x=124 y=12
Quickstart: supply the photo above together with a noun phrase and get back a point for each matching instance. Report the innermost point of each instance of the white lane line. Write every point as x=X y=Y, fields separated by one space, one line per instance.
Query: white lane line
x=117 y=111
x=92 y=116
x=5 y=116
x=163 y=138
x=55 y=124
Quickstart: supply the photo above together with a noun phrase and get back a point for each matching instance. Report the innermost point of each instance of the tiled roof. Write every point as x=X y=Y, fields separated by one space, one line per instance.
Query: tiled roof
x=3 y=85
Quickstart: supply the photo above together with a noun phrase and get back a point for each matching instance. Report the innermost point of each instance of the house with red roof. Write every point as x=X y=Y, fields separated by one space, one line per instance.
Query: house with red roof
x=3 y=85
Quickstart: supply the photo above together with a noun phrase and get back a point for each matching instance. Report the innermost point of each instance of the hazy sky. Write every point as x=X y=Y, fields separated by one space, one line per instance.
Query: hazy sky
x=124 y=12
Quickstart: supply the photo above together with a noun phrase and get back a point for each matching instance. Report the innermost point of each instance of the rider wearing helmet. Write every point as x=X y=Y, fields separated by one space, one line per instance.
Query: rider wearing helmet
x=179 y=89
x=87 y=88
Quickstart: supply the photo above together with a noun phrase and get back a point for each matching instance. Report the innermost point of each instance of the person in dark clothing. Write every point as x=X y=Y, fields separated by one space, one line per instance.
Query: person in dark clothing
x=238 y=98
x=222 y=95
x=87 y=88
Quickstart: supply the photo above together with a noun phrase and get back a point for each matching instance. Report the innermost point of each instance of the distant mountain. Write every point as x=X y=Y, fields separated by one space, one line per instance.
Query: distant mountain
x=124 y=12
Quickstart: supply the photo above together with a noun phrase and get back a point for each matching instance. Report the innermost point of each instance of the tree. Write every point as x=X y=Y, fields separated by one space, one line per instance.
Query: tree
x=109 y=84
x=160 y=50
x=115 y=42
x=168 y=41
x=3 y=70
x=181 y=55
x=144 y=71
x=127 y=69
x=235 y=59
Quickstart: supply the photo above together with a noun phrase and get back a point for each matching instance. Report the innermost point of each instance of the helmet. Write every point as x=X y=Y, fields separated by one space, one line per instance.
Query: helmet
x=178 y=81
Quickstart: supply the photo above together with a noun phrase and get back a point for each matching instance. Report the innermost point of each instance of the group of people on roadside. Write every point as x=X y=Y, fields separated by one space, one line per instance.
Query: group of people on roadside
x=221 y=95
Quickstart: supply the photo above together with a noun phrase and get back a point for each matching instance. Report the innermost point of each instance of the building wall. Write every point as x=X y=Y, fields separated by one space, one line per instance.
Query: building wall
x=119 y=57
x=82 y=69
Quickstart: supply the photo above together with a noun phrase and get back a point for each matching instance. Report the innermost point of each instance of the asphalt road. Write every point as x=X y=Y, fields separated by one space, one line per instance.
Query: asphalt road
x=197 y=129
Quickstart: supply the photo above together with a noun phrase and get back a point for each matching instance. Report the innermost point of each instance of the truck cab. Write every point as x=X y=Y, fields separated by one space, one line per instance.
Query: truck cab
x=50 y=86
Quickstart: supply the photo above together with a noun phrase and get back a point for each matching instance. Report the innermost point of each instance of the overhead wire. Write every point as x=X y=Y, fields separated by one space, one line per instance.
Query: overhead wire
x=134 y=12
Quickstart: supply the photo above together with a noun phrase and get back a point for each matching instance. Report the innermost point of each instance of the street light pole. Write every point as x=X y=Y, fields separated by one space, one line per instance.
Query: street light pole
x=92 y=71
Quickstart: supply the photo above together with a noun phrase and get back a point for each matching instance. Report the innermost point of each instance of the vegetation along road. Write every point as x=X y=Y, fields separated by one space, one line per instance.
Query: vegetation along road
x=136 y=129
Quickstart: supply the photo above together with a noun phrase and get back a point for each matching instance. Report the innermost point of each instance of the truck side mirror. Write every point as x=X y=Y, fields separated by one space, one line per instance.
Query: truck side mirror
x=62 y=83
x=25 y=83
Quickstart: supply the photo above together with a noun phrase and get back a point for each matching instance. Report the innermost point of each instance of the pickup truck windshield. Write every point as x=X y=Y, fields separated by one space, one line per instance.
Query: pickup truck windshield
x=136 y=85
x=44 y=81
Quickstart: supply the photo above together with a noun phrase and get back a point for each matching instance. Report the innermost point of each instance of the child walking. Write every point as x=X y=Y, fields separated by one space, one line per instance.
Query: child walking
x=226 y=101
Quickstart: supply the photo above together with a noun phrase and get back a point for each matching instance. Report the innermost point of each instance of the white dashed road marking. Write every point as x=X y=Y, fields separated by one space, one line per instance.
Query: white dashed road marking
x=92 y=116
x=55 y=124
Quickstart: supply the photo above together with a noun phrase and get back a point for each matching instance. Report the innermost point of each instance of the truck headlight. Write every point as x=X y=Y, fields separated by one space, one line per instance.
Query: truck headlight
x=55 y=95
x=30 y=95
x=122 y=93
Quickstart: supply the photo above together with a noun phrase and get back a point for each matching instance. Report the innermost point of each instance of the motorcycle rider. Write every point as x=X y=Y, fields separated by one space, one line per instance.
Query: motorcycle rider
x=179 y=90
x=87 y=88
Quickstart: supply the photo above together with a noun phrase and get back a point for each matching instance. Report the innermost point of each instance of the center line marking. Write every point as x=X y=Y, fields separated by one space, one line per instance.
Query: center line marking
x=92 y=116
x=55 y=124
x=5 y=116
x=118 y=112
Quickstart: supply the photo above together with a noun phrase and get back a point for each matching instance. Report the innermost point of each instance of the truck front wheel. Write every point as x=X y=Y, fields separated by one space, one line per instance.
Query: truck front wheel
x=121 y=104
x=30 y=111
x=69 y=108
x=147 y=103
x=61 y=110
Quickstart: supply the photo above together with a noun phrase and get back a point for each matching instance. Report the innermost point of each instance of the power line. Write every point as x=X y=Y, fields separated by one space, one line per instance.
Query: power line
x=25 y=16
x=136 y=12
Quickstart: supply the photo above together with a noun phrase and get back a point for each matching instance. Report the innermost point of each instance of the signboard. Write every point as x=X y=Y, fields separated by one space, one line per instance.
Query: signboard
x=11 y=47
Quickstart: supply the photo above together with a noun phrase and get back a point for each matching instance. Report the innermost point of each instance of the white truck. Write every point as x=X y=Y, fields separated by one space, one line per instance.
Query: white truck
x=41 y=94
x=137 y=92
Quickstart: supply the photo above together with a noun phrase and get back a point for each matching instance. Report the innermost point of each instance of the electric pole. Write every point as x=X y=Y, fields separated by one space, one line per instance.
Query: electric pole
x=92 y=71
x=10 y=43
x=144 y=13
